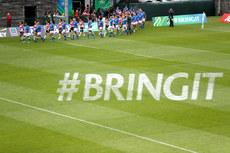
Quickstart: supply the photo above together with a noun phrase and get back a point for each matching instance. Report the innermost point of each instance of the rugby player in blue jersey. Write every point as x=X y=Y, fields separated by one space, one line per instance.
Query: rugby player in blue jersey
x=52 y=30
x=39 y=34
x=90 y=28
x=140 y=20
x=143 y=18
x=111 y=27
x=64 y=28
x=101 y=25
x=116 y=21
x=27 y=33
x=75 y=28
x=124 y=24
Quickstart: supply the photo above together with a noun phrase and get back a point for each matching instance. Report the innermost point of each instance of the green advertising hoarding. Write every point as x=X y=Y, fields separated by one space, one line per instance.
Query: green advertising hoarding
x=179 y=19
x=102 y=3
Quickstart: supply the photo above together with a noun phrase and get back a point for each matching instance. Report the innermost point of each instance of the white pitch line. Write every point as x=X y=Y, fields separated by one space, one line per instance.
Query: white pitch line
x=152 y=57
x=128 y=53
x=215 y=30
x=82 y=45
x=95 y=124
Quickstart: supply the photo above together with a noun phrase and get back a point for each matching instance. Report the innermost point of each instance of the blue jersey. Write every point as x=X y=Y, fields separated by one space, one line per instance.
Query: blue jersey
x=130 y=10
x=27 y=29
x=101 y=24
x=132 y=18
x=124 y=21
x=90 y=24
x=116 y=21
x=135 y=18
x=63 y=26
x=137 y=12
x=117 y=11
x=52 y=27
x=140 y=17
x=39 y=29
x=75 y=24
x=143 y=14
x=125 y=9
x=111 y=22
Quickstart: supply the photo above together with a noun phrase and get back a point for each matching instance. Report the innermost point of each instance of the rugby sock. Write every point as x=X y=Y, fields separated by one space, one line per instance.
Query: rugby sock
x=36 y=39
x=142 y=26
x=24 y=39
x=29 y=39
x=65 y=36
x=80 y=34
x=59 y=35
x=88 y=36
x=93 y=35
x=73 y=36
x=101 y=34
x=42 y=38
x=52 y=38
x=77 y=37
x=110 y=34
x=45 y=37
x=124 y=32
x=114 y=34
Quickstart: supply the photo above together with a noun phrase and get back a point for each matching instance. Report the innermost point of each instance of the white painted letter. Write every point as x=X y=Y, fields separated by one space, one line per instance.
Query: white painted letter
x=114 y=88
x=144 y=80
x=130 y=87
x=196 y=84
x=167 y=89
x=96 y=85
x=211 y=83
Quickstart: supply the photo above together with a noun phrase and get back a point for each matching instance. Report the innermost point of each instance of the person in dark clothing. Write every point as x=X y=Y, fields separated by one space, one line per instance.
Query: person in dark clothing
x=129 y=25
x=106 y=13
x=171 y=13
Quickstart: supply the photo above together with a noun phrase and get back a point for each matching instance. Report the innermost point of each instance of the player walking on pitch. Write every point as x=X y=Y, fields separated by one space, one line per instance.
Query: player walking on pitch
x=90 y=29
x=52 y=30
x=76 y=28
x=47 y=29
x=21 y=30
x=39 y=34
x=27 y=33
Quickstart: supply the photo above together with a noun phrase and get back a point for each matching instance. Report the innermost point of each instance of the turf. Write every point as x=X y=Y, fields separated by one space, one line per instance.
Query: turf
x=30 y=74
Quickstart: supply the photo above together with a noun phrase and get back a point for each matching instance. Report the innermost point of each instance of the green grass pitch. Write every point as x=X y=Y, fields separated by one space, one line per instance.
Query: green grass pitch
x=30 y=74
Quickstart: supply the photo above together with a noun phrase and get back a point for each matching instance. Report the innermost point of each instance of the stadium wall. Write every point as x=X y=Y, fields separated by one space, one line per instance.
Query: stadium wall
x=222 y=6
x=16 y=8
x=180 y=7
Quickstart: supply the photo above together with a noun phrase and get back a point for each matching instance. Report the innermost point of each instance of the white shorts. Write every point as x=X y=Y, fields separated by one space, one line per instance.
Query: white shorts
x=124 y=26
x=100 y=28
x=75 y=29
x=51 y=31
x=135 y=23
x=90 y=29
x=39 y=33
x=26 y=34
x=110 y=27
x=63 y=31
x=140 y=21
x=117 y=26
x=143 y=19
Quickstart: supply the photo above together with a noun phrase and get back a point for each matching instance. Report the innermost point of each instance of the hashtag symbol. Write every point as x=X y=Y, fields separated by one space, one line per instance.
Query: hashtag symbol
x=65 y=90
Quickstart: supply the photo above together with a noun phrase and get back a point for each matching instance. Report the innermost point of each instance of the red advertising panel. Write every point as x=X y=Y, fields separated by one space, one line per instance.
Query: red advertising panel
x=225 y=18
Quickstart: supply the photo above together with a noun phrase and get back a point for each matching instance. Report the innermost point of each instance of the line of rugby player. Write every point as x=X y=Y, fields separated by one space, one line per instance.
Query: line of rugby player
x=115 y=23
